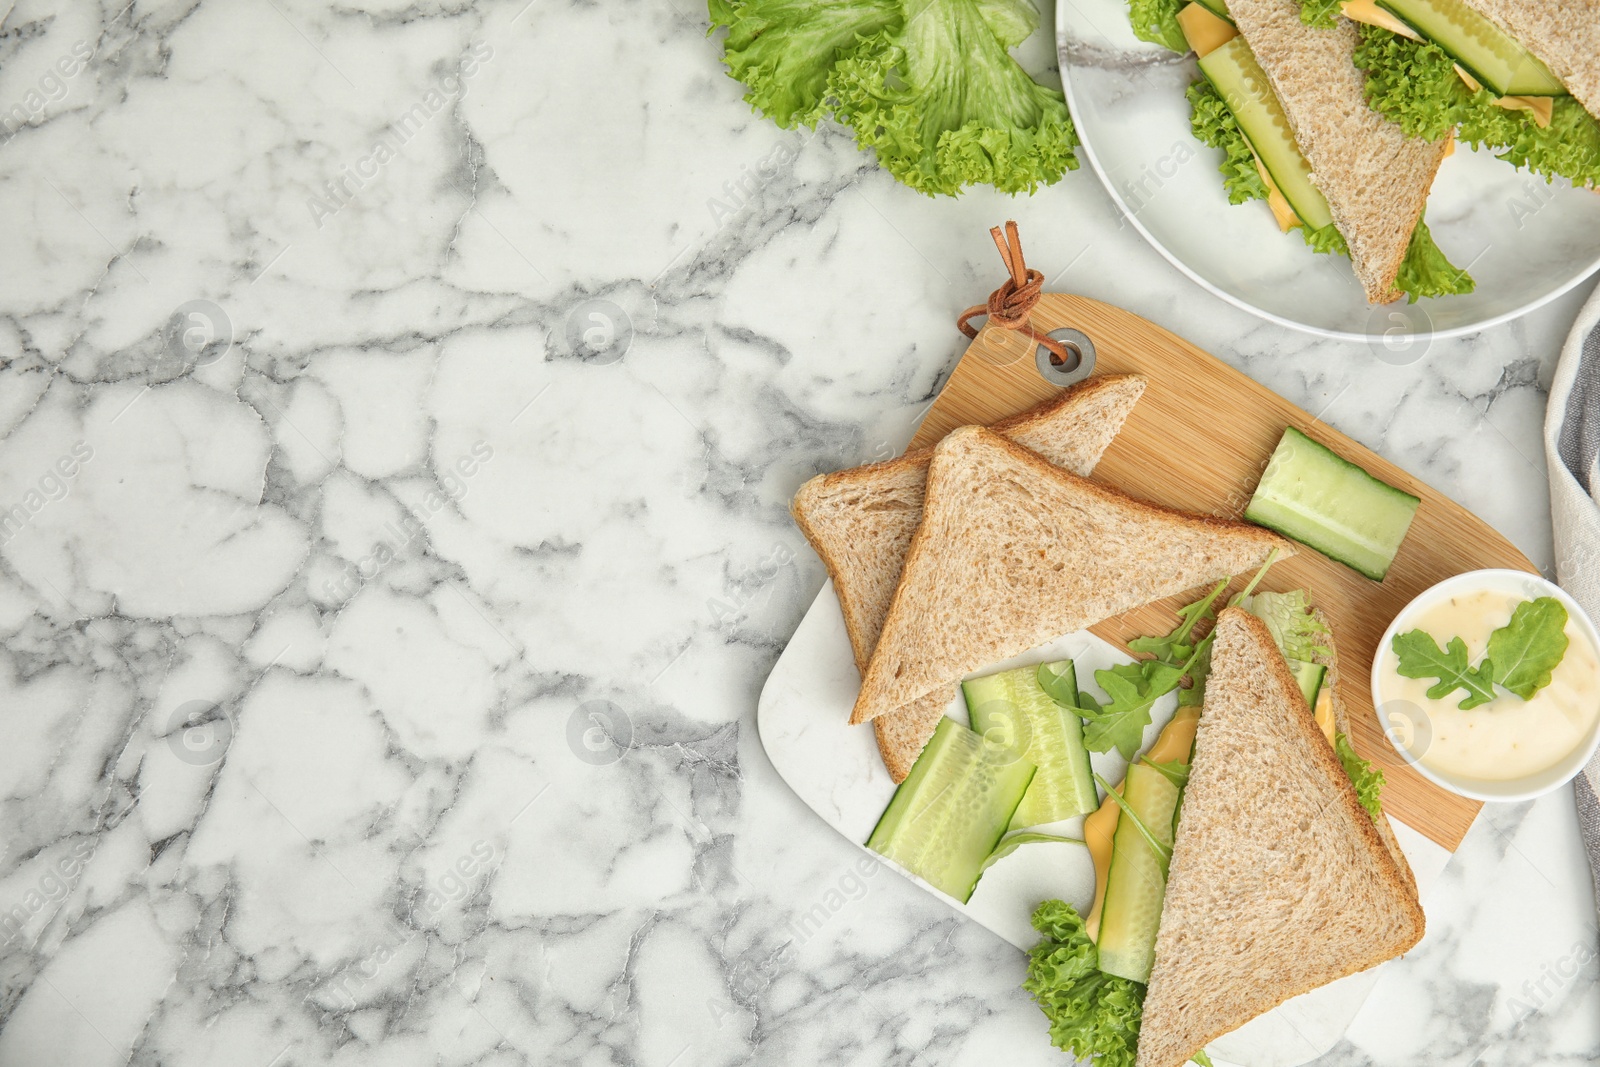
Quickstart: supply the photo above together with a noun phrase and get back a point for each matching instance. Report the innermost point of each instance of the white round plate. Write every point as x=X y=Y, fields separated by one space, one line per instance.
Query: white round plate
x=1524 y=242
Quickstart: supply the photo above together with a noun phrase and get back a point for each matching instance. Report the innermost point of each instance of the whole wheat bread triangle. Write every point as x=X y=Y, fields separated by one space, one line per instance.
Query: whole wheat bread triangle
x=1375 y=178
x=860 y=522
x=1279 y=881
x=1013 y=552
x=1563 y=34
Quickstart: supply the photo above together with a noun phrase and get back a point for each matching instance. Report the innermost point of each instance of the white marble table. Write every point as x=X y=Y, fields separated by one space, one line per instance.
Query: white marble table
x=392 y=548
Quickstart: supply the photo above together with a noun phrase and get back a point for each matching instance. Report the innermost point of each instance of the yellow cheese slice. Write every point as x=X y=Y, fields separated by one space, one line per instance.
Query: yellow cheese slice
x=1175 y=742
x=1542 y=108
x=1369 y=12
x=1204 y=30
x=1324 y=712
x=1279 y=204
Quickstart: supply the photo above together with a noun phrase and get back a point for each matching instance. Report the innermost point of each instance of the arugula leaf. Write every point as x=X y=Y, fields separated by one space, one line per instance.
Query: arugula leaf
x=1199 y=671
x=1175 y=771
x=1133 y=688
x=1421 y=657
x=1010 y=844
x=1092 y=1014
x=1367 y=779
x=1174 y=648
x=1162 y=850
x=1052 y=678
x=1525 y=650
x=1288 y=618
x=1156 y=21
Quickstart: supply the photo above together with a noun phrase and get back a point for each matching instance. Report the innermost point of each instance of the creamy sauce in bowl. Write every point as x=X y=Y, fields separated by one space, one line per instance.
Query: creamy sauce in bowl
x=1507 y=740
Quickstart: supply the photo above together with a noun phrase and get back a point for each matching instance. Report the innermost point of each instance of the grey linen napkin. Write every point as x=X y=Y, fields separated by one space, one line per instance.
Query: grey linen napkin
x=1572 y=453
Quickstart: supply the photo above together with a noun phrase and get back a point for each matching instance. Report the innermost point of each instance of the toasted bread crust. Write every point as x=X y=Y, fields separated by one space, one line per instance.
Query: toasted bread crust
x=1375 y=178
x=1365 y=899
x=1072 y=429
x=1563 y=34
x=883 y=690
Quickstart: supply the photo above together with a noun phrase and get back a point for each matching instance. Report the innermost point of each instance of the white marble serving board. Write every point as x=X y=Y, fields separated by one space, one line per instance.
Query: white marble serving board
x=803 y=719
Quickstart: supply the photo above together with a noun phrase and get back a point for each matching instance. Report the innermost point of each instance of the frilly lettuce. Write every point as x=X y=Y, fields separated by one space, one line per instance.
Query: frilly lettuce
x=1091 y=1013
x=1425 y=270
x=1321 y=13
x=929 y=85
x=1367 y=779
x=1214 y=124
x=1414 y=84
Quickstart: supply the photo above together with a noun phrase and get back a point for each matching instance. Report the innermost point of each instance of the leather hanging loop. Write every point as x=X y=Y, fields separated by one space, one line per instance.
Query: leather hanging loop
x=1010 y=306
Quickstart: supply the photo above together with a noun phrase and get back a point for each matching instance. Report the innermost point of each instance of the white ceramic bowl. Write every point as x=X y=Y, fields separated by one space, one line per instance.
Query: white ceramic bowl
x=1402 y=732
x=1524 y=242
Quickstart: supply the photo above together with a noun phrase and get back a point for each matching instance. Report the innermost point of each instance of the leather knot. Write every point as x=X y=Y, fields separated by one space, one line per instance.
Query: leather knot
x=1010 y=305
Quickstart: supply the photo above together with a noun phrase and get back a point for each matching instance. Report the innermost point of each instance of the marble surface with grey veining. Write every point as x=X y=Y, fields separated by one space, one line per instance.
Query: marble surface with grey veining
x=399 y=406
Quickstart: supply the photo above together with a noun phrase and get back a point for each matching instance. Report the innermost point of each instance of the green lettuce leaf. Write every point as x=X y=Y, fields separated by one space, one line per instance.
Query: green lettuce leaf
x=1421 y=657
x=1156 y=21
x=1426 y=272
x=1213 y=124
x=1414 y=84
x=1092 y=1014
x=1297 y=633
x=1423 y=272
x=1320 y=13
x=785 y=50
x=1367 y=779
x=943 y=104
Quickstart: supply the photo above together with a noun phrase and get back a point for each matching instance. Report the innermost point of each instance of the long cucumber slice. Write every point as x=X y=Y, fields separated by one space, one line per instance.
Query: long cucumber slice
x=1013 y=708
x=952 y=809
x=1492 y=56
x=1137 y=884
x=1320 y=499
x=1233 y=69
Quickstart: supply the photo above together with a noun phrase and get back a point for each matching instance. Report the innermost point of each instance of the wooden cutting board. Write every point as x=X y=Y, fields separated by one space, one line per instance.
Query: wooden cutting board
x=1199 y=440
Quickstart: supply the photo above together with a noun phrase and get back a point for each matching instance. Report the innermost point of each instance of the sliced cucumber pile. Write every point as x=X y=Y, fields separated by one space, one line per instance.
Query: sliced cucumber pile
x=1488 y=53
x=952 y=809
x=1233 y=69
x=1137 y=884
x=1013 y=709
x=1316 y=497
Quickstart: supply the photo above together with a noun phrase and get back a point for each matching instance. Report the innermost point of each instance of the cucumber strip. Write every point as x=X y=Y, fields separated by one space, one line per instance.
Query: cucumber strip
x=951 y=811
x=1320 y=499
x=1137 y=884
x=1243 y=85
x=1013 y=709
x=1490 y=55
x=1216 y=7
x=1310 y=676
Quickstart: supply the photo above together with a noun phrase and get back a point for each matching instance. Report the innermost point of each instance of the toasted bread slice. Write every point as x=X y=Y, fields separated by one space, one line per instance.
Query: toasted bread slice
x=1013 y=552
x=860 y=522
x=1279 y=881
x=1563 y=34
x=1375 y=178
x=1341 y=725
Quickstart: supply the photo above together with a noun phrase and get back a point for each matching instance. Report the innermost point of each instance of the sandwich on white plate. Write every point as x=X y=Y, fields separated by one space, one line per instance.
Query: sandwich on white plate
x=1286 y=105
x=1519 y=78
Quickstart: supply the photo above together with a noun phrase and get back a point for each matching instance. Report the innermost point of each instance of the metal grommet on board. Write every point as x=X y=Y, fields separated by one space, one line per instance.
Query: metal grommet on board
x=1080 y=362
